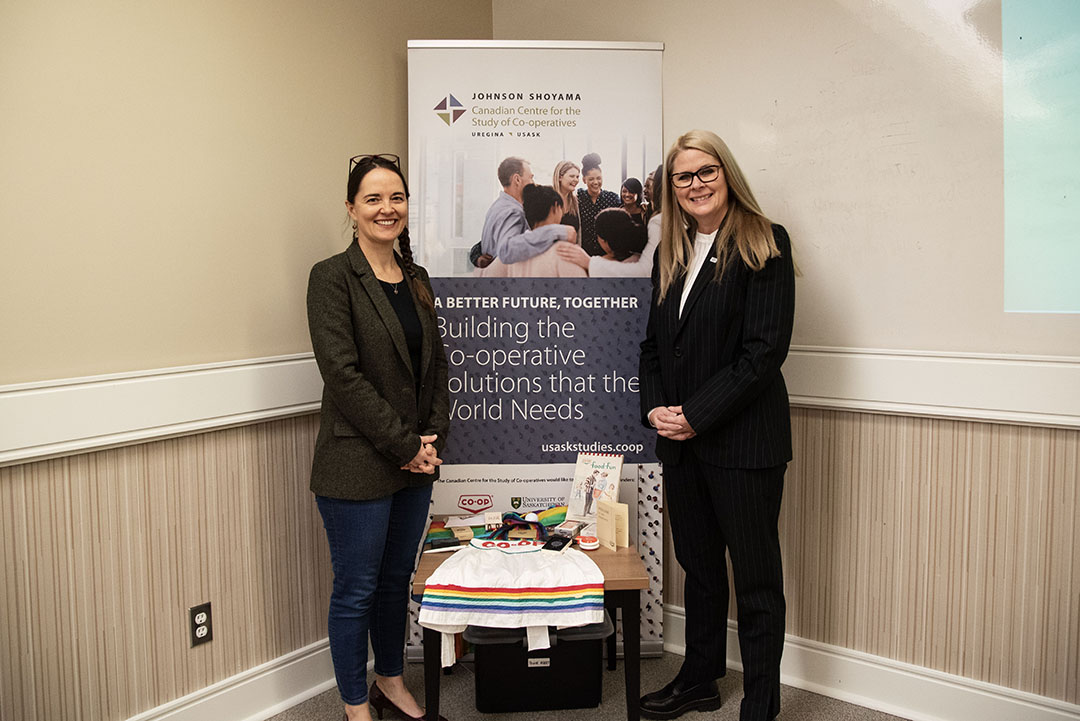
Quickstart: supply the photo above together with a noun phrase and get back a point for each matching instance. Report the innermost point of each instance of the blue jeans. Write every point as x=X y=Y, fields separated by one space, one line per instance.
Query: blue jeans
x=373 y=547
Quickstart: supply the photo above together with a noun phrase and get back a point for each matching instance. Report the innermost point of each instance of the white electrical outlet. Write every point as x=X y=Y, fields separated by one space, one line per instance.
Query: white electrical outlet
x=201 y=625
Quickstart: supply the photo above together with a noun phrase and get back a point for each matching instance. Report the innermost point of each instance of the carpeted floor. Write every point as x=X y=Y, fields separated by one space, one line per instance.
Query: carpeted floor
x=458 y=700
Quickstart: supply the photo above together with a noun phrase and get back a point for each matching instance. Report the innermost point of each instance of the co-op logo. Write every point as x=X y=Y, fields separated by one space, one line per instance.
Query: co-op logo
x=449 y=109
x=475 y=503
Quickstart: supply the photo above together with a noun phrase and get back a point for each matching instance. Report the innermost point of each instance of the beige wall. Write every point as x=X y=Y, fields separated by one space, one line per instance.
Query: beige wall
x=171 y=170
x=872 y=130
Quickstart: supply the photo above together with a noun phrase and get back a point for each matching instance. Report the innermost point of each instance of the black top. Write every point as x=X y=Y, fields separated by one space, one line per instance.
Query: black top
x=589 y=211
x=401 y=299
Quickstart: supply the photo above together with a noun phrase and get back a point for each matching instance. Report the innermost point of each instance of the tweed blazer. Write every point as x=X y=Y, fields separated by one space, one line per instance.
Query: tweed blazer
x=720 y=360
x=373 y=409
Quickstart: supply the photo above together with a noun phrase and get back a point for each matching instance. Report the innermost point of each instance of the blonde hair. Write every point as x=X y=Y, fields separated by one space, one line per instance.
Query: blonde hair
x=570 y=204
x=744 y=228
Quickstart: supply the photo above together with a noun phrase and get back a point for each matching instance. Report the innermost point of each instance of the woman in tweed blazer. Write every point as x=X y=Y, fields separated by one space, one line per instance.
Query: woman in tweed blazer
x=385 y=416
x=719 y=328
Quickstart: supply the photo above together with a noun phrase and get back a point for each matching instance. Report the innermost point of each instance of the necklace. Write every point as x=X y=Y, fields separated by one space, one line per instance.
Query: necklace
x=388 y=283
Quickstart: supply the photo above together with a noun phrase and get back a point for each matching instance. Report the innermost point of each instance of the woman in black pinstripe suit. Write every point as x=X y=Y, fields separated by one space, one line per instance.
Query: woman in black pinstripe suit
x=719 y=329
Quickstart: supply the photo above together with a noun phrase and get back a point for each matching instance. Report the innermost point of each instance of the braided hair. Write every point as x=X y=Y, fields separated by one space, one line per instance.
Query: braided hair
x=420 y=290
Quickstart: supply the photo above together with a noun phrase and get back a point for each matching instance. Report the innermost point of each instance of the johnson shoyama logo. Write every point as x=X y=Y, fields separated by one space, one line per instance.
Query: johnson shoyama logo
x=475 y=503
x=449 y=109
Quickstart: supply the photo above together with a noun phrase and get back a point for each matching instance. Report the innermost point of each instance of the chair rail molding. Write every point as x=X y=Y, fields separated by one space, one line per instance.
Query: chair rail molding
x=61 y=417
x=1013 y=389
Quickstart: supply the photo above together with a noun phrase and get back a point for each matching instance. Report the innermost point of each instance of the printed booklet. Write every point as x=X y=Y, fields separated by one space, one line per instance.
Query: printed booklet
x=596 y=478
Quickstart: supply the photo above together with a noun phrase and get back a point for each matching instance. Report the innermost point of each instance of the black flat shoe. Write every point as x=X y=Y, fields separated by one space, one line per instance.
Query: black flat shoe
x=677 y=698
x=381 y=702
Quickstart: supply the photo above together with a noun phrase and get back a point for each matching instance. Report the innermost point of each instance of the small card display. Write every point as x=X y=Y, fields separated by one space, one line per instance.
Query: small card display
x=613 y=524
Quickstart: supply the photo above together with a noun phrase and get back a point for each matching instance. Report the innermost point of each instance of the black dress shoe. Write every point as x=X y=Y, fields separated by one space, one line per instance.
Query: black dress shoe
x=382 y=704
x=677 y=698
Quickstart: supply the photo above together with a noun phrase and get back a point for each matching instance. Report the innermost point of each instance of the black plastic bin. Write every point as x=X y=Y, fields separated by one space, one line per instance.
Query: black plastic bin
x=565 y=676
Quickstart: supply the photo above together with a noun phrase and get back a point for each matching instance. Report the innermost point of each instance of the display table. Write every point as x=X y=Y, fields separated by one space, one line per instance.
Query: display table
x=624 y=578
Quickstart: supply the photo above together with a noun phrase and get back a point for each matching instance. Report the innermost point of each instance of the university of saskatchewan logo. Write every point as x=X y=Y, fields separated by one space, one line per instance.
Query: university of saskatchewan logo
x=515 y=502
x=449 y=109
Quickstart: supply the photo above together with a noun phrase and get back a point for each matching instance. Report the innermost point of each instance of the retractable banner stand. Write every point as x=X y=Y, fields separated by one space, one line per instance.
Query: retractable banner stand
x=541 y=368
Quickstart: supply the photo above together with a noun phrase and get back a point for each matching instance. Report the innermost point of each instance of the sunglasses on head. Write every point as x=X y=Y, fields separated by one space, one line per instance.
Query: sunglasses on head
x=363 y=159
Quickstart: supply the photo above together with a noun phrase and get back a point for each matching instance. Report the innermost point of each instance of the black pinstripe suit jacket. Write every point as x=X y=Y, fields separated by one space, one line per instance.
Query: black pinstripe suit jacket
x=721 y=361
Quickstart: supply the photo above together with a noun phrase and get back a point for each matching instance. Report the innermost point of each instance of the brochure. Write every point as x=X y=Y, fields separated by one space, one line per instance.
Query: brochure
x=596 y=478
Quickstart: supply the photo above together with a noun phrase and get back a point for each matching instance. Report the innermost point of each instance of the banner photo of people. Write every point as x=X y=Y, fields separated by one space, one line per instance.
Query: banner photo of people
x=530 y=169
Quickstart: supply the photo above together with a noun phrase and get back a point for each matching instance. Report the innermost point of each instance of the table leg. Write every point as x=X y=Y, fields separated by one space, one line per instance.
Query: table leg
x=432 y=659
x=613 y=610
x=629 y=602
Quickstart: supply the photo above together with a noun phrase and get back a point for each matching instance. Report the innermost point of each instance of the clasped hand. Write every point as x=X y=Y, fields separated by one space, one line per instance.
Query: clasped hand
x=426 y=459
x=670 y=422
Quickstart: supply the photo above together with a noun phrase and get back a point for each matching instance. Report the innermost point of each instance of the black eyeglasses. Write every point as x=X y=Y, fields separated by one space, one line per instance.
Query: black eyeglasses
x=361 y=159
x=706 y=175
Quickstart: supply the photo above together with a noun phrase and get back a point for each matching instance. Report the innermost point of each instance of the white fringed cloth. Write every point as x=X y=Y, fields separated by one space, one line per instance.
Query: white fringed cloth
x=512 y=584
